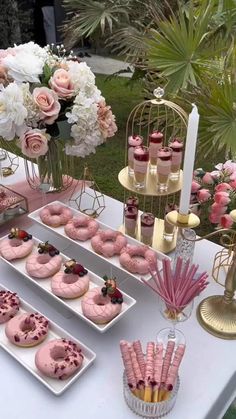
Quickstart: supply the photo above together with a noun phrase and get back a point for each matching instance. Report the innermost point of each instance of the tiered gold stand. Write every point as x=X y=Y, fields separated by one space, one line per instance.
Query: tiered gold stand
x=167 y=117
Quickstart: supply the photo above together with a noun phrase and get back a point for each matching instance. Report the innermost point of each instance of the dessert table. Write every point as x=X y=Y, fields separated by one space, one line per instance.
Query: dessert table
x=208 y=370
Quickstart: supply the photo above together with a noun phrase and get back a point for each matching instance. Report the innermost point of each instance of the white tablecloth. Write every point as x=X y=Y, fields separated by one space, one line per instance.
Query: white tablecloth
x=208 y=376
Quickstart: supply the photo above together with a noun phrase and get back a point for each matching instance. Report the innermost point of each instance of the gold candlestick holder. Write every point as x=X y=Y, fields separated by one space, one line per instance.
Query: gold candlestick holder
x=217 y=313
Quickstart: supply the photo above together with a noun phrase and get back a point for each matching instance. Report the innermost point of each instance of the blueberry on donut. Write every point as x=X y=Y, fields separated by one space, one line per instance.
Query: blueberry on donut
x=55 y=215
x=9 y=305
x=59 y=358
x=72 y=283
x=28 y=329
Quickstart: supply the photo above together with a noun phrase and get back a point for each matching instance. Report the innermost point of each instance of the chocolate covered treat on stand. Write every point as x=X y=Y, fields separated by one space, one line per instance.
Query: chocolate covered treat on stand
x=155 y=143
x=133 y=141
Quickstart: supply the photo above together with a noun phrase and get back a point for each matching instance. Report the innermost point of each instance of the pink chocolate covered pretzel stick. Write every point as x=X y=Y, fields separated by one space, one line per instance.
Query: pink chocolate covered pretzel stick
x=128 y=366
x=158 y=362
x=167 y=361
x=137 y=372
x=149 y=371
x=140 y=357
x=173 y=370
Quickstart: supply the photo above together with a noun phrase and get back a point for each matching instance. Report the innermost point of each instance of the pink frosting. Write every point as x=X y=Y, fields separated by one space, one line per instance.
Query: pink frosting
x=108 y=242
x=69 y=285
x=167 y=360
x=27 y=329
x=140 y=357
x=149 y=371
x=11 y=249
x=158 y=362
x=81 y=228
x=128 y=364
x=173 y=370
x=43 y=266
x=59 y=358
x=9 y=305
x=135 y=140
x=135 y=365
x=137 y=258
x=55 y=215
x=99 y=308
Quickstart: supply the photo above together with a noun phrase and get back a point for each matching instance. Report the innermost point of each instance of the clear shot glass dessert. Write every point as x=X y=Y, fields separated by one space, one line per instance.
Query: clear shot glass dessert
x=176 y=146
x=132 y=201
x=169 y=229
x=163 y=168
x=155 y=143
x=131 y=217
x=133 y=141
x=141 y=159
x=147 y=228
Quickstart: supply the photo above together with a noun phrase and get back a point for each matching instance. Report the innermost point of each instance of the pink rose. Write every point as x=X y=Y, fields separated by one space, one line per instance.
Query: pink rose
x=207 y=178
x=203 y=195
x=106 y=120
x=222 y=198
x=214 y=218
x=47 y=101
x=195 y=186
x=61 y=83
x=218 y=209
x=34 y=143
x=226 y=221
x=222 y=187
x=233 y=184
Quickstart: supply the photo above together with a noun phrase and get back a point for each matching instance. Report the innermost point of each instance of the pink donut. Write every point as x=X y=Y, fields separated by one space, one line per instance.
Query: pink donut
x=11 y=249
x=140 y=265
x=43 y=265
x=108 y=242
x=69 y=285
x=28 y=329
x=59 y=358
x=55 y=215
x=9 y=305
x=99 y=308
x=81 y=228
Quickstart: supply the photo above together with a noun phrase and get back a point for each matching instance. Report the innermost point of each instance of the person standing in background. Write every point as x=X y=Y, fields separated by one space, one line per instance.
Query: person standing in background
x=45 y=26
x=9 y=24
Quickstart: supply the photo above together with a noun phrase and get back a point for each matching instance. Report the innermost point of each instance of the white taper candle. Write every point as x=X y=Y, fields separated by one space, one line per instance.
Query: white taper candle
x=189 y=158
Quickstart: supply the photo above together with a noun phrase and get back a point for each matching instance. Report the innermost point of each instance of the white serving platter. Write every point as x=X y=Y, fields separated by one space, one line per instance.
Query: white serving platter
x=74 y=305
x=87 y=244
x=26 y=356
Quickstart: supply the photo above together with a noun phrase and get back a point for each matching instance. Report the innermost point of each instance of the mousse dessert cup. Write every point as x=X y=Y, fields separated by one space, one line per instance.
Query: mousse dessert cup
x=141 y=159
x=155 y=143
x=147 y=228
x=163 y=168
x=131 y=217
x=176 y=146
x=132 y=201
x=169 y=229
x=133 y=141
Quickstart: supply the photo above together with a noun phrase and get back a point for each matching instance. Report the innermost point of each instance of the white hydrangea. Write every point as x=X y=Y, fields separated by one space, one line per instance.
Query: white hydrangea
x=83 y=79
x=27 y=63
x=85 y=129
x=12 y=111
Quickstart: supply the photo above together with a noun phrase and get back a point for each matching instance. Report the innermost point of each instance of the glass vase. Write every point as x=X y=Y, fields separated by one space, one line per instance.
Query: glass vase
x=54 y=171
x=185 y=245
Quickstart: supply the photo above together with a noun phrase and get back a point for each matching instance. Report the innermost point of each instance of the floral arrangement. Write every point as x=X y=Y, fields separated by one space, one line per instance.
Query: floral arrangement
x=39 y=87
x=219 y=189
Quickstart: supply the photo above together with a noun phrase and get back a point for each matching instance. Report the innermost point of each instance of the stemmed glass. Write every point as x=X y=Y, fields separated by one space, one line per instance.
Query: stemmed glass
x=173 y=316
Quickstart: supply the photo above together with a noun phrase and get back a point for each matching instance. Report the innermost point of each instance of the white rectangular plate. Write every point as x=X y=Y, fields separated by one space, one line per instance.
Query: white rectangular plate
x=74 y=304
x=87 y=244
x=25 y=356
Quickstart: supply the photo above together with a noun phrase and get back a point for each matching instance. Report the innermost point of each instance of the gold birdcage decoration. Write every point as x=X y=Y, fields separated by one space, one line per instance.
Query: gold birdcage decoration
x=171 y=120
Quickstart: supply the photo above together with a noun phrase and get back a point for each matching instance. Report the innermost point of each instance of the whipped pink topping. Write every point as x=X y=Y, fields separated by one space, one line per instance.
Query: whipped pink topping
x=134 y=140
x=164 y=153
x=156 y=137
x=133 y=201
x=176 y=144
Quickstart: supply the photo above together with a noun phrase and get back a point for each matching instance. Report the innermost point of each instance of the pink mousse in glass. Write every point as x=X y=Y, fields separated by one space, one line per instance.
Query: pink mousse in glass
x=133 y=141
x=163 y=167
x=141 y=159
x=132 y=201
x=147 y=228
x=155 y=143
x=176 y=146
x=131 y=216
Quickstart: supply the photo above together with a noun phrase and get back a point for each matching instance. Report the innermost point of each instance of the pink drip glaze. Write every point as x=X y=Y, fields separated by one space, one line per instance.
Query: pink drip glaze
x=98 y=308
